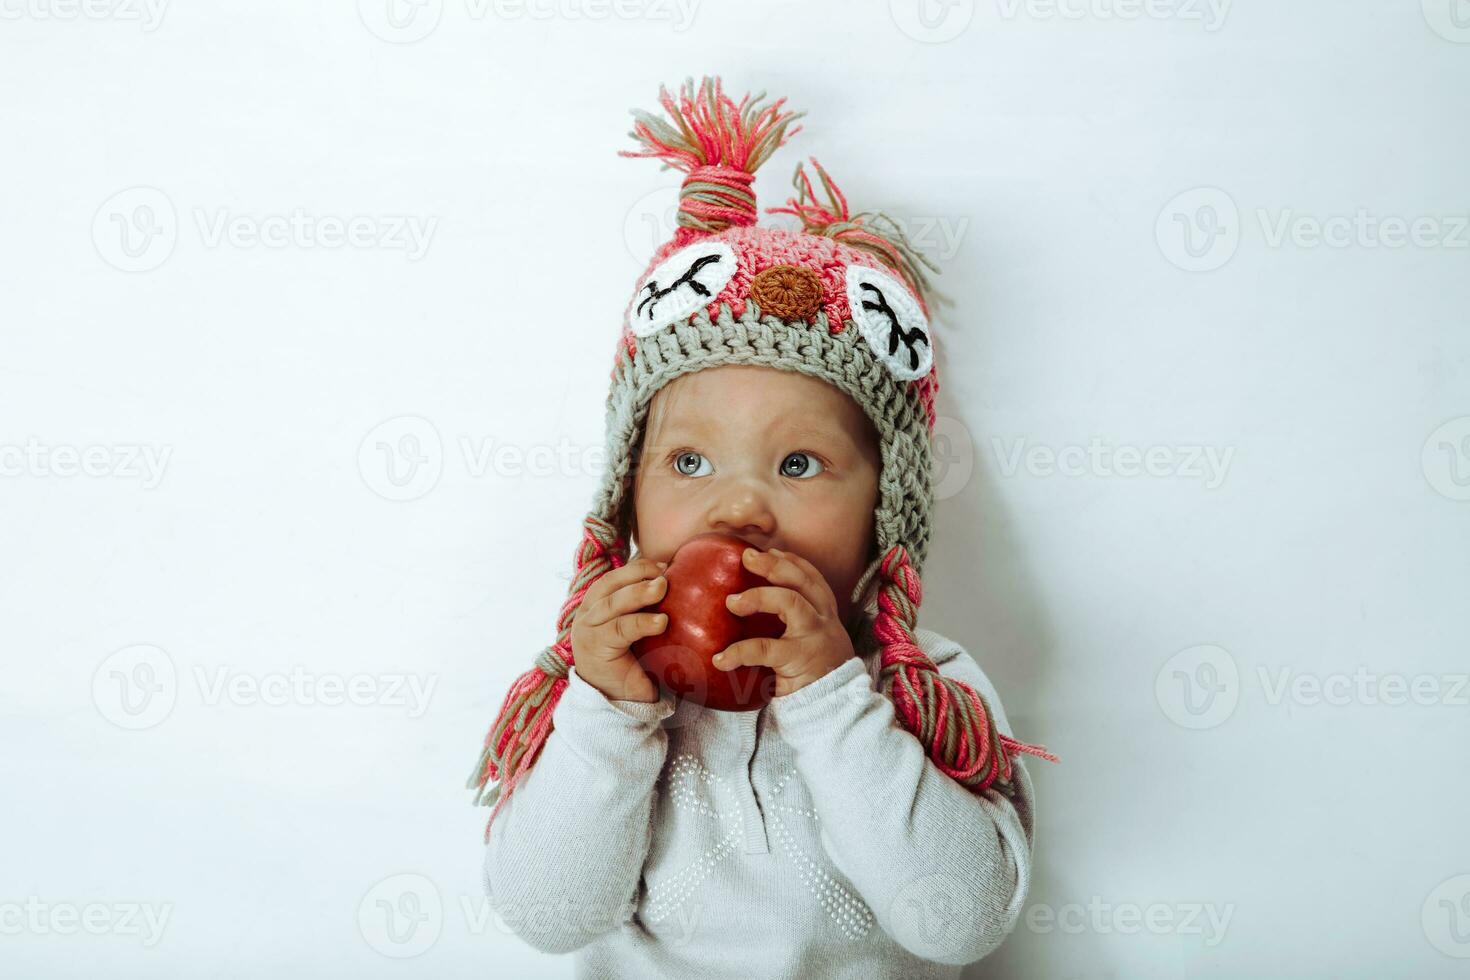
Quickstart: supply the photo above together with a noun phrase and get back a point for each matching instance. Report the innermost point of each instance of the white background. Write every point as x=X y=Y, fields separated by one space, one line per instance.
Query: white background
x=1140 y=626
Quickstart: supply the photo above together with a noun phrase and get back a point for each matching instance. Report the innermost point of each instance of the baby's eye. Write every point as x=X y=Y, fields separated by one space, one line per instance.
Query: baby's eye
x=683 y=459
x=800 y=469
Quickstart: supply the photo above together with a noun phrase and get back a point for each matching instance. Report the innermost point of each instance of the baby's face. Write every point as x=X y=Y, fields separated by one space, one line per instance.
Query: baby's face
x=780 y=459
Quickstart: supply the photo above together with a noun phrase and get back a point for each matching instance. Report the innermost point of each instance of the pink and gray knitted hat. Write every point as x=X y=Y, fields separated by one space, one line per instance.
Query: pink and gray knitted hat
x=843 y=299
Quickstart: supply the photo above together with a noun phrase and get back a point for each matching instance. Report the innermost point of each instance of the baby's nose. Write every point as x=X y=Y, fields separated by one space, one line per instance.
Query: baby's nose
x=745 y=512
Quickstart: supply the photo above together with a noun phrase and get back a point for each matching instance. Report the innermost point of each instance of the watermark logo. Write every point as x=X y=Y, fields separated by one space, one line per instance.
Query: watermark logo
x=932 y=920
x=1446 y=459
x=1362 y=687
x=135 y=230
x=1450 y=19
x=36 y=917
x=1207 y=464
x=932 y=21
x=650 y=222
x=400 y=21
x=126 y=461
x=1204 y=919
x=1199 y=230
x=1363 y=229
x=1198 y=687
x=1446 y=917
x=401 y=916
x=302 y=687
x=147 y=13
x=136 y=687
x=952 y=453
x=1210 y=14
x=402 y=458
x=407 y=21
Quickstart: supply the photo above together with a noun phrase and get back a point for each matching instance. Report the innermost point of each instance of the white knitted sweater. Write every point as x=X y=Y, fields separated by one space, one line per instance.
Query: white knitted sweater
x=810 y=839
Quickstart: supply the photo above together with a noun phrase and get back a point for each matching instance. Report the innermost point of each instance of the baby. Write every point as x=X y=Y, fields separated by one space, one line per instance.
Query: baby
x=871 y=820
x=798 y=464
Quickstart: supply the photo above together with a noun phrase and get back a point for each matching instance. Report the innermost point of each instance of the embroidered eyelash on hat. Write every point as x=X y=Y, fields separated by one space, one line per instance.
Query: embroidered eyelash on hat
x=722 y=291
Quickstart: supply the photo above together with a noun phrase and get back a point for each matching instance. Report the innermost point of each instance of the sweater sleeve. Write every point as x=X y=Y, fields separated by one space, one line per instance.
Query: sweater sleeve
x=943 y=868
x=566 y=851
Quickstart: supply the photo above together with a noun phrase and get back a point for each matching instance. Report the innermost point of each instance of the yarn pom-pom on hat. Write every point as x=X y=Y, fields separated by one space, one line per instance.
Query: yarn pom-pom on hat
x=719 y=144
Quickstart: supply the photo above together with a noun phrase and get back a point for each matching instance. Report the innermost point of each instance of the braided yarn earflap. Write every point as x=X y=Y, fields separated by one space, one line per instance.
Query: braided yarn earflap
x=948 y=717
x=524 y=722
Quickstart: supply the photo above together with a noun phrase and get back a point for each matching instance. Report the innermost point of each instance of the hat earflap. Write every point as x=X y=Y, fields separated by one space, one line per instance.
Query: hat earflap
x=525 y=719
x=949 y=717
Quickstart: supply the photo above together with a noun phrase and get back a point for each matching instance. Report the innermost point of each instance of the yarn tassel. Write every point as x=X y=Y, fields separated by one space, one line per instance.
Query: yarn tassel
x=948 y=717
x=719 y=143
x=872 y=231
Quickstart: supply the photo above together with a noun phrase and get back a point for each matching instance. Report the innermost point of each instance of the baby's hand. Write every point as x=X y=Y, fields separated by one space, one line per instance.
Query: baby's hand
x=608 y=622
x=815 y=642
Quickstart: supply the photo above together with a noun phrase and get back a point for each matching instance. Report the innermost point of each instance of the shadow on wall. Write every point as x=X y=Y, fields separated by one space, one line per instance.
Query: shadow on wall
x=980 y=590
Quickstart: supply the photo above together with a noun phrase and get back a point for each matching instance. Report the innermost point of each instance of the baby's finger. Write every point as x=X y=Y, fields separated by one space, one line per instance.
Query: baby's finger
x=633 y=627
x=634 y=593
x=609 y=582
x=793 y=608
x=639 y=595
x=791 y=570
x=760 y=651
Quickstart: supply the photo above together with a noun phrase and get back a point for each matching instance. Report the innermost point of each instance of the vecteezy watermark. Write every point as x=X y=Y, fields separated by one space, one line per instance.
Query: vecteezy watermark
x=1450 y=19
x=137 y=229
x=1210 y=14
x=38 y=917
x=407 y=21
x=401 y=916
x=1199 y=687
x=143 y=462
x=652 y=221
x=299 y=686
x=932 y=21
x=937 y=21
x=403 y=458
x=1362 y=686
x=137 y=687
x=1446 y=459
x=1446 y=917
x=1201 y=229
x=404 y=915
x=407 y=233
x=1208 y=464
x=148 y=13
x=952 y=453
x=1363 y=229
x=1204 y=919
x=400 y=21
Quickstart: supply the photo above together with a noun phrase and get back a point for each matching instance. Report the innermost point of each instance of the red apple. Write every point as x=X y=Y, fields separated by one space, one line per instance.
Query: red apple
x=705 y=570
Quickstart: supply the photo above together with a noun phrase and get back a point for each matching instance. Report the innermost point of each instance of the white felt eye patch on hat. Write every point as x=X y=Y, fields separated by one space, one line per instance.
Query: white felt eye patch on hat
x=891 y=321
x=684 y=282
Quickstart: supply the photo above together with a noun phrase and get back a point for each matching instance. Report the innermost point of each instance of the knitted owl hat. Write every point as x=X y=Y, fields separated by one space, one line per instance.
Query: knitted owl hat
x=842 y=299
